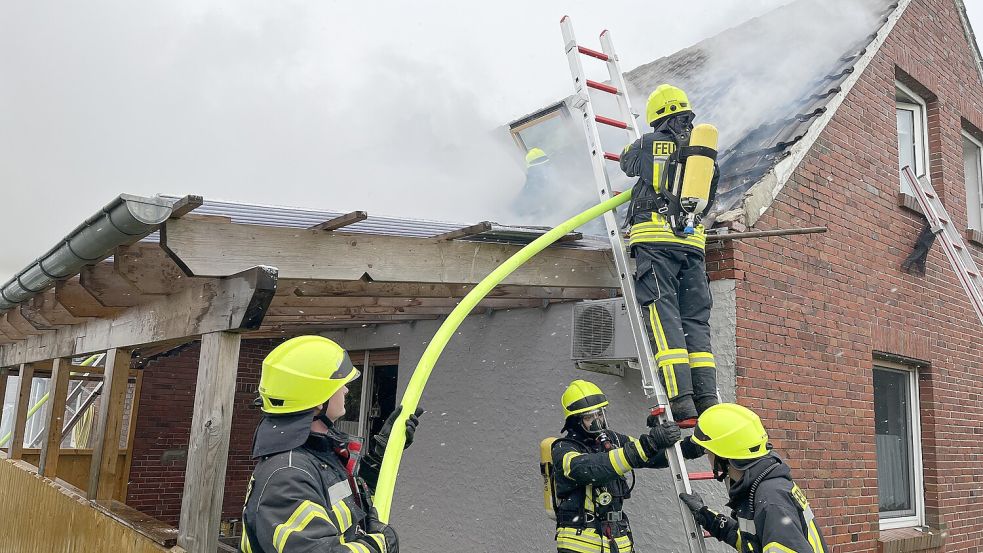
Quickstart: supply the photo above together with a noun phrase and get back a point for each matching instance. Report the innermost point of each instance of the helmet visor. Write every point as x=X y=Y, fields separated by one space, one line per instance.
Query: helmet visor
x=345 y=370
x=594 y=421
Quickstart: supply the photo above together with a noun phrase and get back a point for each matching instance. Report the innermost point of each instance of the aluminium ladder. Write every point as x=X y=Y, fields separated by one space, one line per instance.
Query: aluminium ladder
x=650 y=381
x=955 y=249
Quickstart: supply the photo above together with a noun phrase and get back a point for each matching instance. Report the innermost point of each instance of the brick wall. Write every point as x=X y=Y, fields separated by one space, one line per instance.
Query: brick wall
x=813 y=310
x=164 y=426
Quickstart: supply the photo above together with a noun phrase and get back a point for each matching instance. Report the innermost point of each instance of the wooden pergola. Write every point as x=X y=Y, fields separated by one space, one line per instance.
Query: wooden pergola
x=212 y=280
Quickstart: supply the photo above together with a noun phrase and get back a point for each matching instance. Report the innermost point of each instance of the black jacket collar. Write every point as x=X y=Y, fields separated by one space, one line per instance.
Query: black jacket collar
x=768 y=467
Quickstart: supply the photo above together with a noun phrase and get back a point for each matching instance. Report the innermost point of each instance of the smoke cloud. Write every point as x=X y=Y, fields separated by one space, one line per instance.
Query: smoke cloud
x=397 y=109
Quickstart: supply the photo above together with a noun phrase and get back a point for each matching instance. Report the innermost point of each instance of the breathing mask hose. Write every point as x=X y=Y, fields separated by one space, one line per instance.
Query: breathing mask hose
x=394 y=449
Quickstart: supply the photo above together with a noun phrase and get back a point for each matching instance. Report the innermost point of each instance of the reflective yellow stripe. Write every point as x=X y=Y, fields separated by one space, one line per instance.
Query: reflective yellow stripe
x=343 y=514
x=588 y=541
x=701 y=359
x=639 y=449
x=379 y=540
x=658 y=231
x=358 y=547
x=244 y=544
x=671 y=356
x=619 y=461
x=660 y=339
x=775 y=547
x=672 y=387
x=814 y=539
x=567 y=458
x=301 y=517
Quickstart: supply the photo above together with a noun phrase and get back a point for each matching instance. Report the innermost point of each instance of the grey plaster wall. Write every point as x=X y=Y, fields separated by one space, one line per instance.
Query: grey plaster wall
x=471 y=481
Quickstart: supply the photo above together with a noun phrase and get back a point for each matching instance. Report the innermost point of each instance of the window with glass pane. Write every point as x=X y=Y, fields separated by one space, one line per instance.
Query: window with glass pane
x=972 y=155
x=911 y=135
x=898 y=465
x=565 y=186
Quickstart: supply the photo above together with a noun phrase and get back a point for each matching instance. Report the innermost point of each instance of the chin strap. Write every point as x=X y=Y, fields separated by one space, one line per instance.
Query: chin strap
x=322 y=416
x=720 y=469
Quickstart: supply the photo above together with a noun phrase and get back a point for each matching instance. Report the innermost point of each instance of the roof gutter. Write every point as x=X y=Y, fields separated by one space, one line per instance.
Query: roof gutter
x=124 y=221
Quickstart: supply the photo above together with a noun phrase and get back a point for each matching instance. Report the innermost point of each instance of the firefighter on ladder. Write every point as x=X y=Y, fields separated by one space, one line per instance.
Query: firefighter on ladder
x=769 y=513
x=590 y=464
x=309 y=492
x=668 y=243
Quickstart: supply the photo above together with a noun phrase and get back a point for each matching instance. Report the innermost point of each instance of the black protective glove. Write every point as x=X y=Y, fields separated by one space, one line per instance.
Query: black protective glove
x=380 y=440
x=693 y=501
x=691 y=449
x=703 y=515
x=371 y=464
x=375 y=526
x=665 y=435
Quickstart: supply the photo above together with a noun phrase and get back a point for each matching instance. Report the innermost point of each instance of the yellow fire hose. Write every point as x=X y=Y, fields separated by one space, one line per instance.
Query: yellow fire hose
x=411 y=397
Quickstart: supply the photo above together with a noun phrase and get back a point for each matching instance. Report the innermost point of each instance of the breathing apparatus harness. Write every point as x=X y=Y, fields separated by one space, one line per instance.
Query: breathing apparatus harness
x=601 y=496
x=667 y=201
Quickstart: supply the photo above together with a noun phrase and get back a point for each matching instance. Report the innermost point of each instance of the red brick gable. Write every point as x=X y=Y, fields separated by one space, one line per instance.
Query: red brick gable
x=814 y=310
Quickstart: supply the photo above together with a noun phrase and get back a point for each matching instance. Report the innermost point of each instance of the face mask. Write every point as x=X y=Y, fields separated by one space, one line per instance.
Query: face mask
x=594 y=422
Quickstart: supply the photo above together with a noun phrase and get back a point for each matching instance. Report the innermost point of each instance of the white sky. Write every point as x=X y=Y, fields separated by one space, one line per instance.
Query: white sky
x=312 y=103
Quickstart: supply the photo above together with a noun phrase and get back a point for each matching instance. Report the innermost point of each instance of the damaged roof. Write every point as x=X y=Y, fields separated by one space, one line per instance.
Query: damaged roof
x=767 y=82
x=293 y=217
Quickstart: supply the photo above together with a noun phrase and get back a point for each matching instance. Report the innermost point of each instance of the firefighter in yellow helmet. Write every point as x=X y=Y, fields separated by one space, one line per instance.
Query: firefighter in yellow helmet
x=591 y=463
x=306 y=492
x=535 y=201
x=670 y=278
x=769 y=513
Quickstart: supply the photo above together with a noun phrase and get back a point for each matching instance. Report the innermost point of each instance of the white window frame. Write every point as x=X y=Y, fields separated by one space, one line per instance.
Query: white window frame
x=978 y=208
x=914 y=421
x=920 y=109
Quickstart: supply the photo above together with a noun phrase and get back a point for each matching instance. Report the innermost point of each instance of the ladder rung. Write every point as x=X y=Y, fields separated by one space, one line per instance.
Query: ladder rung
x=592 y=53
x=701 y=476
x=608 y=121
x=612 y=157
x=602 y=87
x=688 y=423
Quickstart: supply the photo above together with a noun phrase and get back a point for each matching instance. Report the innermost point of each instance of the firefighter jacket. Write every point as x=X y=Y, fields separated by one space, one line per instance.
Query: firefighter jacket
x=770 y=514
x=591 y=488
x=302 y=500
x=652 y=158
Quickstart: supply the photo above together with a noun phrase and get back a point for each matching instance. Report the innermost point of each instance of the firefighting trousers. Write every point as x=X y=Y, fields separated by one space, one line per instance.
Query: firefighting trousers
x=672 y=286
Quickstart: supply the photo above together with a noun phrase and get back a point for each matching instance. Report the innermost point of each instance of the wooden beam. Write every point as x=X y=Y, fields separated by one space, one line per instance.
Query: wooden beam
x=79 y=302
x=15 y=447
x=236 y=303
x=22 y=325
x=46 y=306
x=186 y=205
x=341 y=221
x=369 y=301
x=9 y=330
x=149 y=269
x=58 y=394
x=4 y=374
x=208 y=450
x=103 y=476
x=132 y=430
x=205 y=248
x=465 y=232
x=330 y=288
x=353 y=317
x=109 y=288
x=34 y=317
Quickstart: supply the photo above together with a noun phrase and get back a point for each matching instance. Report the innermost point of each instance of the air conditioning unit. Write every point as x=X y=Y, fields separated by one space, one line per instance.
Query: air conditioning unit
x=602 y=336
